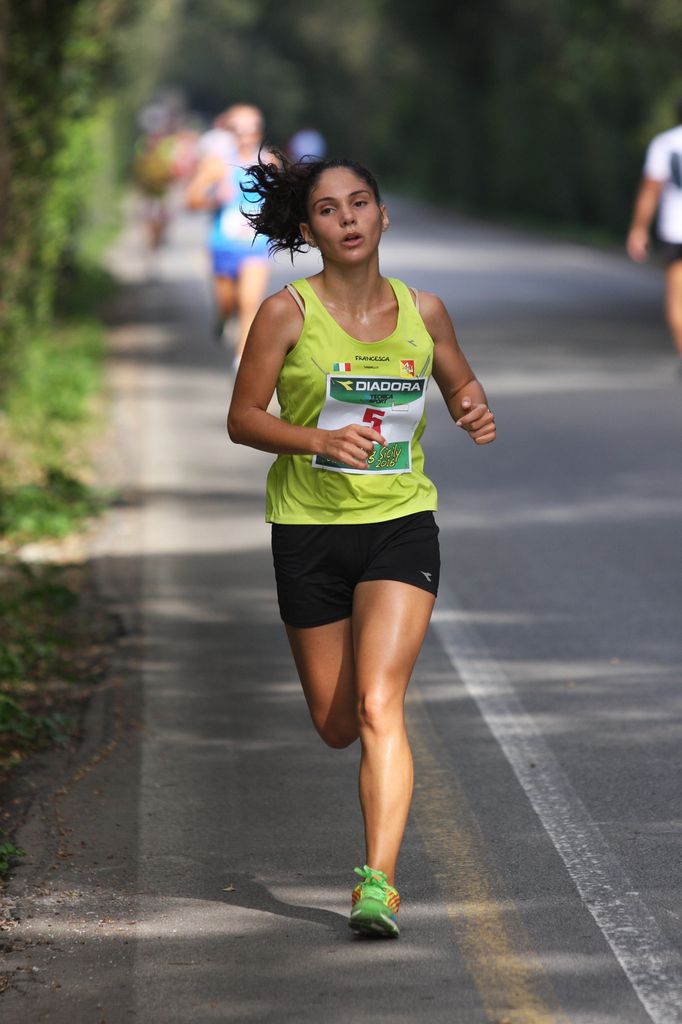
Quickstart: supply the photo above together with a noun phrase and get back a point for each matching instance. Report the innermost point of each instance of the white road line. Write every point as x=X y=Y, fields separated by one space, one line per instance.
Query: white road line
x=652 y=966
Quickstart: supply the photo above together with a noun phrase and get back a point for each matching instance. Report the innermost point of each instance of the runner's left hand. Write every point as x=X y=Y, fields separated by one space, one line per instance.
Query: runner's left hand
x=478 y=421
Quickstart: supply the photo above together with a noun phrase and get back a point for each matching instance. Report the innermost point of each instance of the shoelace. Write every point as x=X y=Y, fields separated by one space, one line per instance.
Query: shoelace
x=374 y=883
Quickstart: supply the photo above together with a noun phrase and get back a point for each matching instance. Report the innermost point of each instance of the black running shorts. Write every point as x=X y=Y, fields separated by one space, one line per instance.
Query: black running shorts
x=318 y=567
x=672 y=252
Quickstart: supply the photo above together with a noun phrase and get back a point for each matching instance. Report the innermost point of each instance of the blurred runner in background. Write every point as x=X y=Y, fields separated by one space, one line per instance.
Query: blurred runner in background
x=239 y=258
x=185 y=152
x=661 y=188
x=154 y=173
x=218 y=141
x=306 y=144
x=165 y=154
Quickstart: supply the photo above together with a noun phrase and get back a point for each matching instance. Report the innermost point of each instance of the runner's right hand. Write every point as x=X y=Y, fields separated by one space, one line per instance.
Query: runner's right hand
x=637 y=244
x=351 y=445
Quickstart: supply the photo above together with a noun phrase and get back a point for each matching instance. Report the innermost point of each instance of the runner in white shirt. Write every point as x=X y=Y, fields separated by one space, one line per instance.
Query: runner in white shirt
x=661 y=188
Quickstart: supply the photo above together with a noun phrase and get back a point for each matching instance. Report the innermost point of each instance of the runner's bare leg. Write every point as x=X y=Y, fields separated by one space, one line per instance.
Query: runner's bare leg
x=226 y=295
x=253 y=281
x=325 y=662
x=673 y=302
x=390 y=620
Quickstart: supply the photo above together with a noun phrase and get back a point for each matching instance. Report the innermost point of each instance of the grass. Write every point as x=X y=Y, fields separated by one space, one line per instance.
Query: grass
x=50 y=415
x=8 y=852
x=55 y=635
x=54 y=507
x=23 y=731
x=53 y=650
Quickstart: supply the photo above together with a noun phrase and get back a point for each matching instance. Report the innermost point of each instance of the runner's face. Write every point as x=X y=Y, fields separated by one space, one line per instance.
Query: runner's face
x=247 y=129
x=345 y=220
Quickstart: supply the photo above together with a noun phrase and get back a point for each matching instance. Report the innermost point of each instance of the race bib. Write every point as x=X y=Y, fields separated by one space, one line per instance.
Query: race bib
x=393 y=406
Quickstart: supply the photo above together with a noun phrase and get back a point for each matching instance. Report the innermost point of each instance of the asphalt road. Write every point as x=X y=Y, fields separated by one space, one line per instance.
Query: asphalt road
x=199 y=864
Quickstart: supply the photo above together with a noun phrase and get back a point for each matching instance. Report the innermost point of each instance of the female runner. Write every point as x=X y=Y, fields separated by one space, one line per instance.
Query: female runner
x=240 y=261
x=354 y=540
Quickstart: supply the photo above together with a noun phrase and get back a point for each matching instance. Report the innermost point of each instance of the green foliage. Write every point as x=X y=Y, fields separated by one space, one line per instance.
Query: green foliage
x=8 y=852
x=30 y=649
x=32 y=606
x=61 y=370
x=503 y=106
x=47 y=647
x=512 y=106
x=60 y=67
x=56 y=507
x=22 y=730
x=49 y=412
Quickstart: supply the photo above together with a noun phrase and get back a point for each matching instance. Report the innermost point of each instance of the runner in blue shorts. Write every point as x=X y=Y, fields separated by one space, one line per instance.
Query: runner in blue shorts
x=239 y=258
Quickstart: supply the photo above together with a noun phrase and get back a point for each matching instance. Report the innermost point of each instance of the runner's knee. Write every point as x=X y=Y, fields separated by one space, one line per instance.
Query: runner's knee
x=380 y=711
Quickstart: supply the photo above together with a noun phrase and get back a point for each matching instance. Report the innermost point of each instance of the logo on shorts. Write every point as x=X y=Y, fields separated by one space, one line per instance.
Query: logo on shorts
x=427 y=574
x=407 y=367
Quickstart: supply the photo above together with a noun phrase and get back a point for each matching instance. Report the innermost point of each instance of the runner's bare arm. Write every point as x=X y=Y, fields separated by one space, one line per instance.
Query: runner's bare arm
x=463 y=394
x=209 y=175
x=637 y=243
x=274 y=332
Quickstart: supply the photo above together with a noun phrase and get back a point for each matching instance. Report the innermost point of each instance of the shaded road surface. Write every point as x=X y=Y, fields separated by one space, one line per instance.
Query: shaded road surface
x=202 y=860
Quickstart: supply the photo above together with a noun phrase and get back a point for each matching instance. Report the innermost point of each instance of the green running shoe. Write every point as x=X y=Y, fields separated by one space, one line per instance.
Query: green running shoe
x=375 y=905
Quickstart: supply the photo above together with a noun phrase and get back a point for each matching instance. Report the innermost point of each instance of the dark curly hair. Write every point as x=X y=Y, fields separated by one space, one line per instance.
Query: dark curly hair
x=283 y=189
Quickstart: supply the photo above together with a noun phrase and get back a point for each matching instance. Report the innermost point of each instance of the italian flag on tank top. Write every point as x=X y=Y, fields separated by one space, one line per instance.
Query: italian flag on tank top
x=393 y=406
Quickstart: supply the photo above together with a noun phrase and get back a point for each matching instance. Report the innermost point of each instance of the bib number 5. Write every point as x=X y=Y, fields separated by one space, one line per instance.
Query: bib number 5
x=373 y=418
x=393 y=406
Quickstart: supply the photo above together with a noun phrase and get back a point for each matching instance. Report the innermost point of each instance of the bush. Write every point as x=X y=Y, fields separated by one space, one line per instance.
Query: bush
x=55 y=508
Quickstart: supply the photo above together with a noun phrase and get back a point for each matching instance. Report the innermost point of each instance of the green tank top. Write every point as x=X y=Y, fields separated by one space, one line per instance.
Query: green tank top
x=330 y=379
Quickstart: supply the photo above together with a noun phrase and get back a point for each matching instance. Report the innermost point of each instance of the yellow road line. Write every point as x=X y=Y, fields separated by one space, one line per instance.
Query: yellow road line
x=490 y=933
